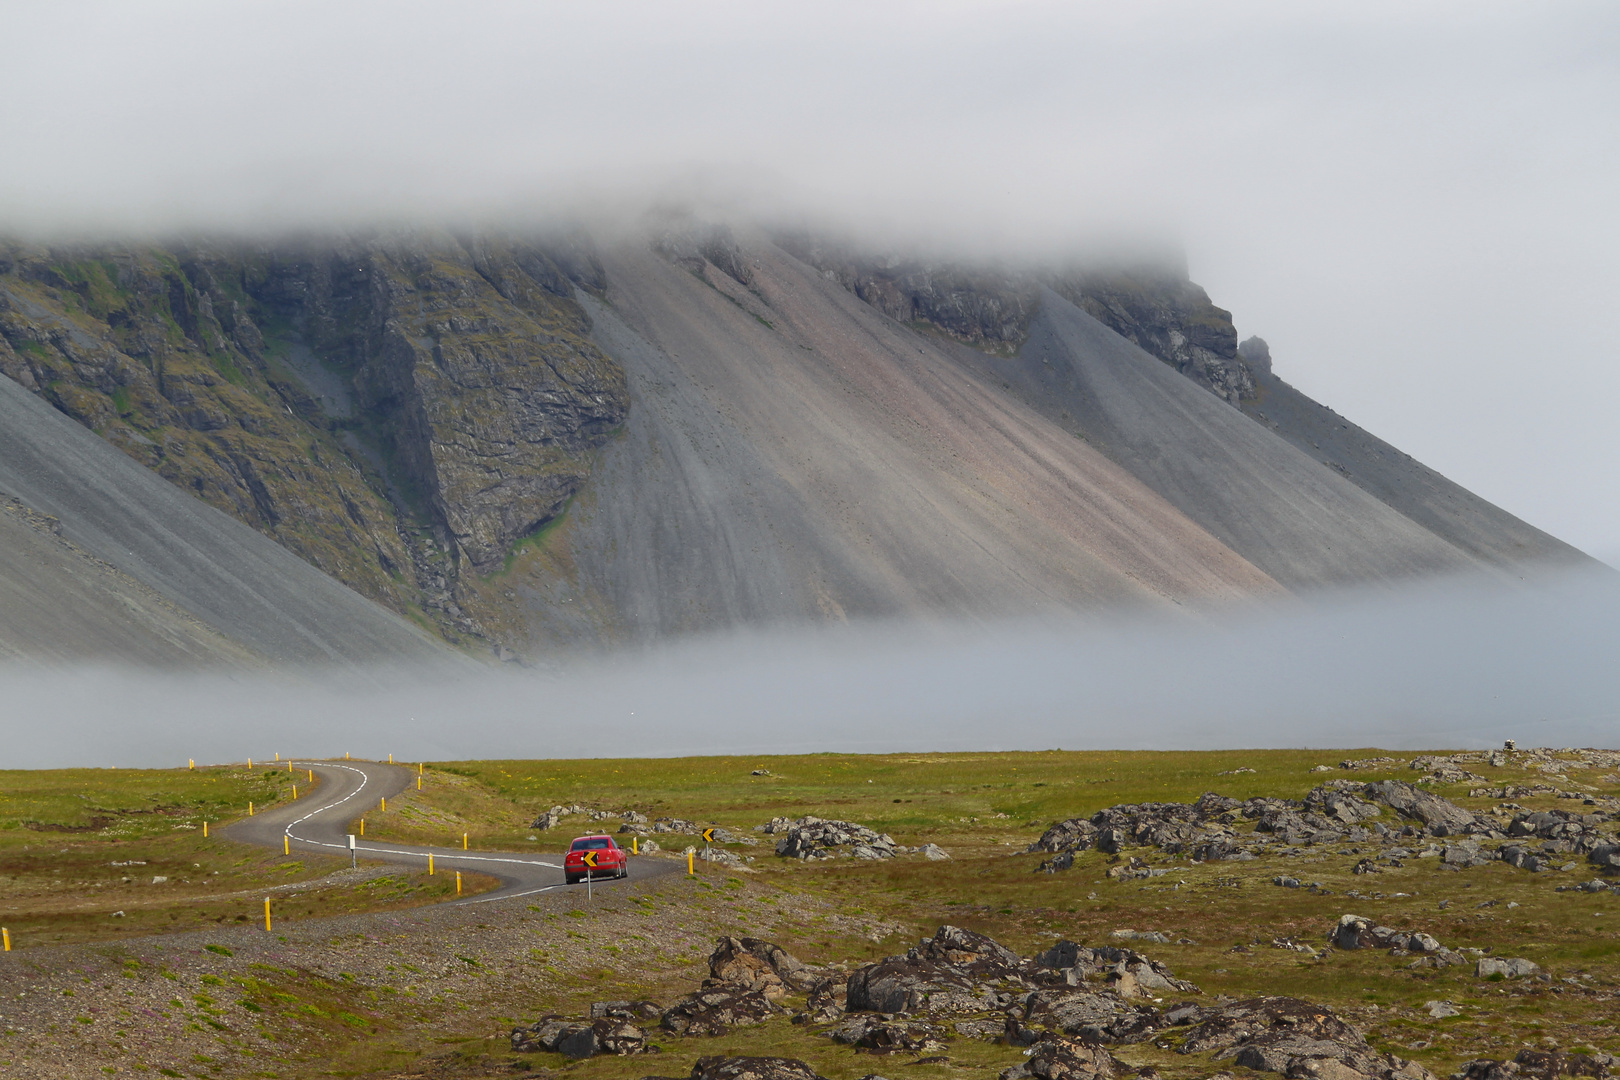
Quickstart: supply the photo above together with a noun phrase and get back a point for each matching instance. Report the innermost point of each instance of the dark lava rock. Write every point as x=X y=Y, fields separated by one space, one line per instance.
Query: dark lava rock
x=1078 y=963
x=716 y=1009
x=752 y=964
x=1095 y=1016
x=951 y=972
x=1057 y=1058
x=1355 y=932
x=581 y=1039
x=1538 y=1065
x=626 y=1010
x=884 y=1037
x=1228 y=1026
x=1299 y=1039
x=828 y=998
x=752 y=1068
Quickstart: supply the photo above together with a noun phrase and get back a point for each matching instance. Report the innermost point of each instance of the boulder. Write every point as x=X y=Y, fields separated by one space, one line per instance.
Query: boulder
x=581 y=1039
x=752 y=964
x=818 y=838
x=1515 y=968
x=1338 y=804
x=1094 y=1016
x=904 y=984
x=946 y=973
x=1532 y=1064
x=1078 y=963
x=827 y=998
x=885 y=1037
x=716 y=1009
x=1356 y=932
x=1055 y=1058
x=1606 y=855
x=1440 y=816
x=1230 y=1027
x=626 y=1010
x=752 y=1068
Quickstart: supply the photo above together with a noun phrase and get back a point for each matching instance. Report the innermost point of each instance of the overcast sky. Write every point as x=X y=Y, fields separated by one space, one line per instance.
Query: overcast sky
x=1415 y=204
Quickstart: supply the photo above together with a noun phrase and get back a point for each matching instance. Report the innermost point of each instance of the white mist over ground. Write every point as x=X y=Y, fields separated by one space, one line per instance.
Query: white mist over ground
x=1444 y=665
x=1412 y=203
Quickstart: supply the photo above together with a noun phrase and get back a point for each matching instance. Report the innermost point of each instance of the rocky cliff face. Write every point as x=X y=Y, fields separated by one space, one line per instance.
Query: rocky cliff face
x=395 y=409
x=1156 y=307
x=1167 y=315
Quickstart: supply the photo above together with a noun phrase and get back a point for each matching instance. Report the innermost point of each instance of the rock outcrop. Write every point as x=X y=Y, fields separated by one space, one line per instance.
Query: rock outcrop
x=581 y=1039
x=395 y=409
x=819 y=838
x=1292 y=1037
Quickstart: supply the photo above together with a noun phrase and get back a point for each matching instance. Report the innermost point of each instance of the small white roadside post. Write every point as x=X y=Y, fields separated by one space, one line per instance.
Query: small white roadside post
x=354 y=859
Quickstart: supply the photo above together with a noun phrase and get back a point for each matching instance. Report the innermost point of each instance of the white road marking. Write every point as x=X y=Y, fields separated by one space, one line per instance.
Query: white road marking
x=364 y=779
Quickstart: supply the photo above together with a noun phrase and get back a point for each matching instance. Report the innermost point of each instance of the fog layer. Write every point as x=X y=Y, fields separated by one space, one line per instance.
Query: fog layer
x=1446 y=665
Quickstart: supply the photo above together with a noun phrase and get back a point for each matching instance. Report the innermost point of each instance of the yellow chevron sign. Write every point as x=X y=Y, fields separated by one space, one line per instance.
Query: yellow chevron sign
x=708 y=836
x=590 y=858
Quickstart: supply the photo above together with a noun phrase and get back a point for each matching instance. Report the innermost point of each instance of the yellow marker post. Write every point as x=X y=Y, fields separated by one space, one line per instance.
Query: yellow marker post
x=267 y=914
x=295 y=791
x=418 y=768
x=191 y=763
x=286 y=844
x=634 y=850
x=390 y=759
x=418 y=783
x=278 y=756
x=289 y=764
x=463 y=841
x=345 y=755
x=689 y=857
x=384 y=808
x=205 y=830
x=362 y=826
x=312 y=776
x=250 y=808
x=250 y=763
x=430 y=865
x=458 y=882
x=5 y=936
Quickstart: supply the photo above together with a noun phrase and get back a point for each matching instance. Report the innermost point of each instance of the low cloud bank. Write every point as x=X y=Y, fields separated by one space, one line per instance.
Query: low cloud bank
x=1439 y=665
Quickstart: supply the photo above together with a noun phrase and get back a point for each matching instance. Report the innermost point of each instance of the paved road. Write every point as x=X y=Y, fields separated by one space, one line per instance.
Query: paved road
x=349 y=789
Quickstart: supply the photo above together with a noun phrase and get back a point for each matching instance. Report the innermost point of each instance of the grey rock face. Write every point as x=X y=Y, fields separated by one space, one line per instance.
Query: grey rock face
x=1439 y=815
x=1167 y=315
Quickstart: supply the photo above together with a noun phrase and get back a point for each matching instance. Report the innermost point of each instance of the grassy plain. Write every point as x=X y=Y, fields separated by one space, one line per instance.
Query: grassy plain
x=105 y=854
x=985 y=809
x=1229 y=925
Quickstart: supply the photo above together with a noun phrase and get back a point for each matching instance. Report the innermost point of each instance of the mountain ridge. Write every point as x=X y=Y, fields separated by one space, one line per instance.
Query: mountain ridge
x=530 y=444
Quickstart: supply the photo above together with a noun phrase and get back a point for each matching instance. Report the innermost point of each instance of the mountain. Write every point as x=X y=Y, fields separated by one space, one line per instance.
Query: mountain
x=528 y=443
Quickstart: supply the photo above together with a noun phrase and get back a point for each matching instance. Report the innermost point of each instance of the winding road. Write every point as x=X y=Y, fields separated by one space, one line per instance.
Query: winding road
x=319 y=822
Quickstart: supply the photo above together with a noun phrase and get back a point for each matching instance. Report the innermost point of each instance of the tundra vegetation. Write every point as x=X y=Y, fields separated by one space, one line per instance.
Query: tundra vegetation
x=1131 y=916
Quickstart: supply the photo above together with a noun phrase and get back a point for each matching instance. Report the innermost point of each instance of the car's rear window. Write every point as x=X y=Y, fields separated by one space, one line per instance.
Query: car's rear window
x=592 y=843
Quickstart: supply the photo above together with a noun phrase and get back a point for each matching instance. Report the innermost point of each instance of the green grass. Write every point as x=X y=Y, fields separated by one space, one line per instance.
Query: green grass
x=983 y=808
x=78 y=845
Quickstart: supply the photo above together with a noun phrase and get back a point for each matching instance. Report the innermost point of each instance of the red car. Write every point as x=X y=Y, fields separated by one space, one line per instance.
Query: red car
x=597 y=856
